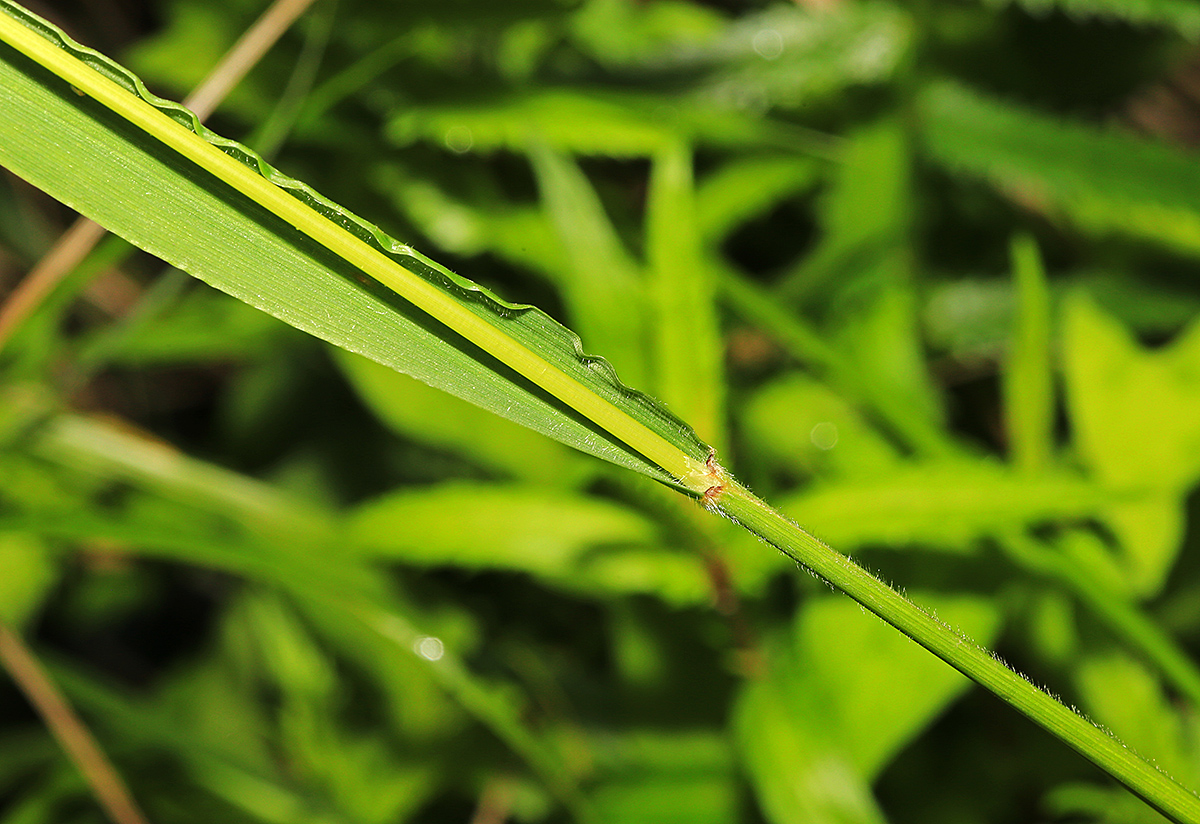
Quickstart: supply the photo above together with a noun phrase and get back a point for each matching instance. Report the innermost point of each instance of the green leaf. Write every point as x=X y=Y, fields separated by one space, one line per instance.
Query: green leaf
x=1121 y=694
x=519 y=233
x=582 y=122
x=276 y=244
x=571 y=542
x=808 y=346
x=945 y=504
x=666 y=777
x=1181 y=15
x=215 y=209
x=1133 y=409
x=1147 y=307
x=689 y=352
x=789 y=55
x=855 y=655
x=746 y=187
x=29 y=573
x=1028 y=379
x=804 y=427
x=224 y=748
x=203 y=325
x=257 y=533
x=868 y=221
x=545 y=532
x=431 y=416
x=863 y=270
x=1104 y=181
x=626 y=32
x=839 y=703
x=1134 y=416
x=864 y=215
x=416 y=702
x=602 y=285
x=594 y=121
x=357 y=772
x=799 y=774
x=203 y=32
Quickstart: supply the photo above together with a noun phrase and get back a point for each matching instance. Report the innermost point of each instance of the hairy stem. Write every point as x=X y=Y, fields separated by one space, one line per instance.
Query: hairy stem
x=956 y=649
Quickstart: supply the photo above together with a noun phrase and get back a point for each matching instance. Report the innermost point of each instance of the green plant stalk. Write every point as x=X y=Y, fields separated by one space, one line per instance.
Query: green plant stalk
x=1155 y=787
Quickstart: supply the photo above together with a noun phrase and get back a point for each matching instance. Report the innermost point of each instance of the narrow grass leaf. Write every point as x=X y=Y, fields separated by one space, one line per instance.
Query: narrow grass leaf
x=804 y=428
x=948 y=504
x=547 y=532
x=1103 y=181
x=745 y=188
x=1028 y=379
x=603 y=288
x=522 y=234
x=689 y=352
x=789 y=55
x=216 y=210
x=798 y=773
x=652 y=776
x=1124 y=696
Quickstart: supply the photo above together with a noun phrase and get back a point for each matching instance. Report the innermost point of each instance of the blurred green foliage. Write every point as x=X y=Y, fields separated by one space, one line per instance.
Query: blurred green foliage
x=924 y=271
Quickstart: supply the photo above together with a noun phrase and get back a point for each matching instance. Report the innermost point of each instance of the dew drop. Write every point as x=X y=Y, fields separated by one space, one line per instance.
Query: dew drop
x=429 y=648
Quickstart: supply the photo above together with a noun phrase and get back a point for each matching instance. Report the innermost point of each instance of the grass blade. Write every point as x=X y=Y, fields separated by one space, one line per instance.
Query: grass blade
x=407 y=312
x=1029 y=379
x=690 y=350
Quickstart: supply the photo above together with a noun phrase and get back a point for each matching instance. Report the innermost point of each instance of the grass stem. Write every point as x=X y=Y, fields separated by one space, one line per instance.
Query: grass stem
x=956 y=649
